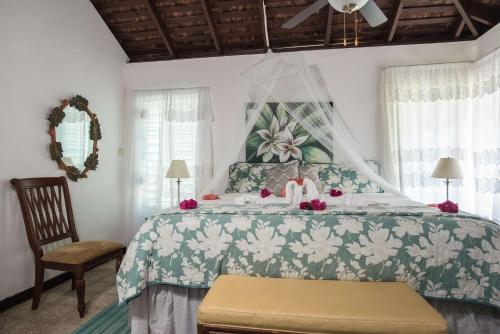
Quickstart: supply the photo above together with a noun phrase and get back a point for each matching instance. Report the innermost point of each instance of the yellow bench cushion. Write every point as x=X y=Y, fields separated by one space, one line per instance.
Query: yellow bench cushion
x=310 y=306
x=81 y=251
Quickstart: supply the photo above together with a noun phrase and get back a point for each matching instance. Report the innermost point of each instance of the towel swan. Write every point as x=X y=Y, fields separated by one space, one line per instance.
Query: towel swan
x=295 y=191
x=294 y=194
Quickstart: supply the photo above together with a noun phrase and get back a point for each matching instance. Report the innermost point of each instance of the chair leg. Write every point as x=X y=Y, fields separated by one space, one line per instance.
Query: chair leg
x=80 y=292
x=73 y=283
x=37 y=290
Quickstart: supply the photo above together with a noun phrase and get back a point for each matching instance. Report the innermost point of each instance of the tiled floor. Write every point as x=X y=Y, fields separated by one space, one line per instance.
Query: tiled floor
x=57 y=313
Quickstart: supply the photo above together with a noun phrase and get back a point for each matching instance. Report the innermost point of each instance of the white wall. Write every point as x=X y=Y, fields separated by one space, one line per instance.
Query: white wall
x=488 y=42
x=351 y=75
x=50 y=50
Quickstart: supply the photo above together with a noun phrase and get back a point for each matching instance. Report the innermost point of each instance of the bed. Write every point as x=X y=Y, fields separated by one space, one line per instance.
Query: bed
x=451 y=259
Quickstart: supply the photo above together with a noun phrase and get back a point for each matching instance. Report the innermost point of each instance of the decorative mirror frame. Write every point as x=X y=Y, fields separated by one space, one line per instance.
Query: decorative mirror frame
x=55 y=118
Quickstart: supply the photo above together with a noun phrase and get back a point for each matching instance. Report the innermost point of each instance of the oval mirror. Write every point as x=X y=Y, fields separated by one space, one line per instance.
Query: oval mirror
x=74 y=132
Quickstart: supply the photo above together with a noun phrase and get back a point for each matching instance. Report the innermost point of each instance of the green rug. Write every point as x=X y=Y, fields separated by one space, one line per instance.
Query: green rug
x=112 y=320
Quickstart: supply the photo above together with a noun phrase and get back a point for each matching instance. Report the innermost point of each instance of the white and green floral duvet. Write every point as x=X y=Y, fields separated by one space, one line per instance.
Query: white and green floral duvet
x=446 y=256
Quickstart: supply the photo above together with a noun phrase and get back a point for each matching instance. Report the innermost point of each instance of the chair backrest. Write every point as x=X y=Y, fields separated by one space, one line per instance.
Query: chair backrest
x=47 y=213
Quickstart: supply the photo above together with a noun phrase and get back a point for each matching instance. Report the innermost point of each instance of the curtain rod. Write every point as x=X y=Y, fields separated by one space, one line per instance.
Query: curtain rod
x=165 y=89
x=431 y=64
x=453 y=62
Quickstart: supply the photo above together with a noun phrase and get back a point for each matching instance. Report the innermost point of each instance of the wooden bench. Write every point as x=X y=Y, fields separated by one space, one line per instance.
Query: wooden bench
x=242 y=304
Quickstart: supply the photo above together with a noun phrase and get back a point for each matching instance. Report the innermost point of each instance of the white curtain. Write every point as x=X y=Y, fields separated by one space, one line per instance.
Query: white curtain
x=167 y=125
x=445 y=110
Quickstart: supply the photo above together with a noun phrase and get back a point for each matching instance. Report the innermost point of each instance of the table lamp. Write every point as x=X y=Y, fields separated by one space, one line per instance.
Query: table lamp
x=178 y=170
x=447 y=168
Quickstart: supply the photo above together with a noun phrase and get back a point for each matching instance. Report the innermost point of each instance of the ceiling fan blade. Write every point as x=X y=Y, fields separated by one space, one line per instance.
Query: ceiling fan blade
x=304 y=14
x=373 y=14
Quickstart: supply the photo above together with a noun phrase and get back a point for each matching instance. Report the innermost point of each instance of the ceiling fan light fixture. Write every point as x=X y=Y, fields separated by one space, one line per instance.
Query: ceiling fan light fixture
x=347 y=6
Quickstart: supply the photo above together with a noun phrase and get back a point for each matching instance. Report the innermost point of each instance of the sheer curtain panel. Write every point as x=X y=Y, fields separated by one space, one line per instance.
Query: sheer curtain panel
x=167 y=125
x=445 y=110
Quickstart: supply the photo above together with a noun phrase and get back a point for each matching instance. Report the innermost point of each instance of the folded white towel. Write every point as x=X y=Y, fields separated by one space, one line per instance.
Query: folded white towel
x=255 y=199
x=271 y=200
x=246 y=199
x=311 y=189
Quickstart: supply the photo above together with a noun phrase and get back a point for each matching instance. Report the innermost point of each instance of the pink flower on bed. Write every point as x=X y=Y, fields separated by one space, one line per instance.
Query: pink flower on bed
x=448 y=206
x=336 y=193
x=264 y=192
x=188 y=204
x=318 y=205
x=314 y=204
x=305 y=206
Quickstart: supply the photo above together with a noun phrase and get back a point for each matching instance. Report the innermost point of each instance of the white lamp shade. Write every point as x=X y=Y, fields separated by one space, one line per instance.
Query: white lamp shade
x=447 y=168
x=178 y=169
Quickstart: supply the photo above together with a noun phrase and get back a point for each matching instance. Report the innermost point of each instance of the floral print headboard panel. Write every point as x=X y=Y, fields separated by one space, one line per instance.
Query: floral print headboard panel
x=277 y=137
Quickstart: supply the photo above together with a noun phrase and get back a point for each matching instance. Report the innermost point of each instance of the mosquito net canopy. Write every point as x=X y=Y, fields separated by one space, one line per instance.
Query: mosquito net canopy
x=286 y=80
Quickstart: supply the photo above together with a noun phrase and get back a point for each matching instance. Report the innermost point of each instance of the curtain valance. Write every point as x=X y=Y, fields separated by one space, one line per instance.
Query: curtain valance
x=177 y=103
x=486 y=74
x=429 y=83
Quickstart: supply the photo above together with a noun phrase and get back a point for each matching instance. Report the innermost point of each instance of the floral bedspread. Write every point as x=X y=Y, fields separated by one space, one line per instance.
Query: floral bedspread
x=447 y=256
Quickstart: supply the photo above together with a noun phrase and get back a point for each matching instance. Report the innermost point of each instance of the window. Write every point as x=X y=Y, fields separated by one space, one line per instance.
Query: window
x=446 y=110
x=167 y=128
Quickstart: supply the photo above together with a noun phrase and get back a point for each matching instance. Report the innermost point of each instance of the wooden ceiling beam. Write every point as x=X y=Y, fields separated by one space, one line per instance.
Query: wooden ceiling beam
x=162 y=29
x=482 y=14
x=458 y=29
x=210 y=23
x=426 y=10
x=393 y=23
x=329 y=22
x=468 y=21
x=428 y=21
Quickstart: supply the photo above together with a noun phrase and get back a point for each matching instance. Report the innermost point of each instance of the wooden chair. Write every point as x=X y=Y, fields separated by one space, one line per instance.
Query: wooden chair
x=48 y=217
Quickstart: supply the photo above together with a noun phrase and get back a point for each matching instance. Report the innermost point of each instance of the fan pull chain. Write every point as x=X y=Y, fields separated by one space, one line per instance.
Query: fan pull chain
x=345 y=40
x=355 y=29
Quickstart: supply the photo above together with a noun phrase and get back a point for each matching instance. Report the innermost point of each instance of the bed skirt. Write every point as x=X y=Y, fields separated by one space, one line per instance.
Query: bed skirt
x=164 y=309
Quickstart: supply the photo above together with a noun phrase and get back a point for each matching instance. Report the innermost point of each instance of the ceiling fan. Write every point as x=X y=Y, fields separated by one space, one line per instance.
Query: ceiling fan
x=368 y=8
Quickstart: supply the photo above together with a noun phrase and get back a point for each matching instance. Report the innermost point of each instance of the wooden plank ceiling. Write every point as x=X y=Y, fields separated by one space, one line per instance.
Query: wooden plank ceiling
x=151 y=30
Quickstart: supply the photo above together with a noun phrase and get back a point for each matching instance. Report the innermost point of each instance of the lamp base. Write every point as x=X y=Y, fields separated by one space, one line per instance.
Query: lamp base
x=178 y=190
x=447 y=182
